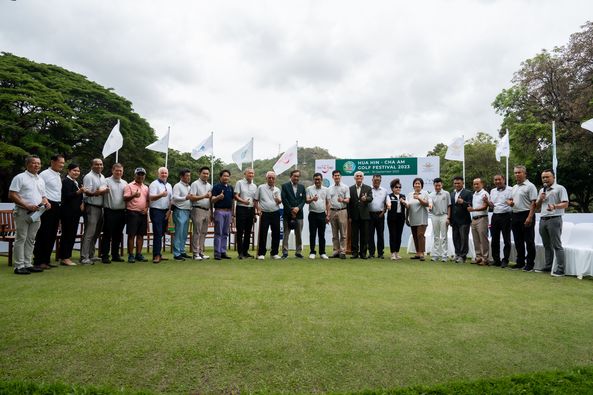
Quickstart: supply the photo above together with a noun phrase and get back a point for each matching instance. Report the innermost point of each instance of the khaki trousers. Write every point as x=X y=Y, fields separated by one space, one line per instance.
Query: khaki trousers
x=339 y=223
x=480 y=235
x=24 y=241
x=200 y=219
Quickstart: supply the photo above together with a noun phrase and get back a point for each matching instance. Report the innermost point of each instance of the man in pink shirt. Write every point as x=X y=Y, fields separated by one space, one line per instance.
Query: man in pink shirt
x=136 y=198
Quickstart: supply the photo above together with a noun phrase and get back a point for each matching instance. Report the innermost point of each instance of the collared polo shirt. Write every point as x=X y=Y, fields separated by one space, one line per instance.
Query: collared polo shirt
x=440 y=202
x=336 y=191
x=180 y=192
x=499 y=198
x=245 y=190
x=92 y=182
x=477 y=201
x=114 y=199
x=417 y=213
x=523 y=194
x=322 y=195
x=29 y=186
x=227 y=202
x=53 y=184
x=157 y=187
x=139 y=203
x=266 y=198
x=379 y=202
x=555 y=194
x=200 y=188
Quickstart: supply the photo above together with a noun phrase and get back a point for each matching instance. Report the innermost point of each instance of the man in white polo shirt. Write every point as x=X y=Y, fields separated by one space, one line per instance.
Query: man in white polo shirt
x=440 y=208
x=479 y=213
x=200 y=194
x=377 y=210
x=553 y=200
x=245 y=191
x=114 y=213
x=523 y=197
x=267 y=205
x=316 y=197
x=50 y=220
x=339 y=196
x=159 y=196
x=27 y=191
x=501 y=221
x=95 y=188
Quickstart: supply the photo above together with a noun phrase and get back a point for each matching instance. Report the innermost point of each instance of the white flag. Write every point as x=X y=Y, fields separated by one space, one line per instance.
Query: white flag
x=588 y=125
x=503 y=147
x=244 y=154
x=288 y=159
x=161 y=145
x=456 y=150
x=114 y=142
x=204 y=148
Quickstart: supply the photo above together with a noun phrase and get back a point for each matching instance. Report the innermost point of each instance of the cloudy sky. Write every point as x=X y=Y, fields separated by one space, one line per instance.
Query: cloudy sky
x=363 y=79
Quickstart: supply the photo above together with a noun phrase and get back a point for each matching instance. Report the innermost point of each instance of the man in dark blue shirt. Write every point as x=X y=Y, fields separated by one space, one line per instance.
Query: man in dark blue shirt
x=222 y=202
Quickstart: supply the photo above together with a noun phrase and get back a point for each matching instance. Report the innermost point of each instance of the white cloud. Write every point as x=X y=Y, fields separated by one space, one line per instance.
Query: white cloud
x=370 y=79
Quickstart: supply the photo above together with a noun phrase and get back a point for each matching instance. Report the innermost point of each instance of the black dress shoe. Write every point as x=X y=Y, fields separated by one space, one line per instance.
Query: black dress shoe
x=225 y=256
x=186 y=256
x=34 y=269
x=52 y=265
x=342 y=256
x=22 y=270
x=217 y=258
x=354 y=256
x=298 y=255
x=380 y=257
x=248 y=255
x=117 y=259
x=179 y=258
x=240 y=256
x=364 y=257
x=105 y=259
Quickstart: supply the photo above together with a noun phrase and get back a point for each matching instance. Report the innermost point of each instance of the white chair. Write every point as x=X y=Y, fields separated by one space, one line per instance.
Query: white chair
x=578 y=251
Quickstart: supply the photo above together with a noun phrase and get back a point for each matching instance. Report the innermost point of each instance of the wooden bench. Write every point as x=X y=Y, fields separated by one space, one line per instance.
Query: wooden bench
x=8 y=231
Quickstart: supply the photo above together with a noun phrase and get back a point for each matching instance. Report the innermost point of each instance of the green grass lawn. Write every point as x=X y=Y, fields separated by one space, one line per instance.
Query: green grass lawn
x=288 y=326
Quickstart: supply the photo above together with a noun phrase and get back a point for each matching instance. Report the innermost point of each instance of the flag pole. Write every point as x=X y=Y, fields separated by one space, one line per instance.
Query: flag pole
x=116 y=156
x=554 y=158
x=507 y=171
x=212 y=159
x=463 y=141
x=167 y=153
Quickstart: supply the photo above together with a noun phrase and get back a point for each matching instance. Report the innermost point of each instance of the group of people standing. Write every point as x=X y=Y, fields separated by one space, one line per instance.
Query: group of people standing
x=45 y=200
x=513 y=211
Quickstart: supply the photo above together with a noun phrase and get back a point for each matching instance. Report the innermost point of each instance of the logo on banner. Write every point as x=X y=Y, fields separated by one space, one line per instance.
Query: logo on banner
x=325 y=168
x=325 y=182
x=349 y=167
x=427 y=167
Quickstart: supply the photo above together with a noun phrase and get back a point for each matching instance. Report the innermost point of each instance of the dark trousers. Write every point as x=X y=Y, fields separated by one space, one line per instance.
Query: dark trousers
x=267 y=221
x=244 y=221
x=317 y=227
x=46 y=235
x=360 y=236
x=461 y=239
x=70 y=222
x=524 y=237
x=395 y=223
x=113 y=228
x=158 y=217
x=500 y=223
x=376 y=225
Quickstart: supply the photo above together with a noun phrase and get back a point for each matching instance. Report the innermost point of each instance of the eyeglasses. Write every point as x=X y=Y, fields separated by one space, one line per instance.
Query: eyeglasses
x=397 y=187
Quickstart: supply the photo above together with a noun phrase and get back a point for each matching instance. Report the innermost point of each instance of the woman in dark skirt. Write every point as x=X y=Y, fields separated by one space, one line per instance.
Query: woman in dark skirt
x=396 y=218
x=71 y=210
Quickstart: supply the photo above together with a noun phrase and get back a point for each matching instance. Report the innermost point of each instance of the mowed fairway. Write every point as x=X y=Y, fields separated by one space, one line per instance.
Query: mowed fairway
x=288 y=326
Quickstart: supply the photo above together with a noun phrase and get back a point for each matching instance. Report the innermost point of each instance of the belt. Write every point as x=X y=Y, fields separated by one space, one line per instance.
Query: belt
x=93 y=205
x=338 y=209
x=549 y=217
x=160 y=209
x=375 y=212
x=54 y=203
x=222 y=209
x=479 y=216
x=200 y=207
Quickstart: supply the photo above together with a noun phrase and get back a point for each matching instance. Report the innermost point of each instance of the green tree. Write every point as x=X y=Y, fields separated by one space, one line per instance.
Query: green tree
x=480 y=161
x=45 y=109
x=554 y=86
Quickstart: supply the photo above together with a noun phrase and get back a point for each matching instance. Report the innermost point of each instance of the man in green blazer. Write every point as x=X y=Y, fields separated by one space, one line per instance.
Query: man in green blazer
x=293 y=200
x=358 y=210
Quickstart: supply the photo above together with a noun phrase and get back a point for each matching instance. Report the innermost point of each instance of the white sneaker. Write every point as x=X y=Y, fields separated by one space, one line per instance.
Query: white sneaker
x=434 y=259
x=276 y=257
x=397 y=256
x=86 y=261
x=95 y=259
x=197 y=258
x=311 y=256
x=324 y=256
x=261 y=257
x=444 y=259
x=393 y=257
x=204 y=256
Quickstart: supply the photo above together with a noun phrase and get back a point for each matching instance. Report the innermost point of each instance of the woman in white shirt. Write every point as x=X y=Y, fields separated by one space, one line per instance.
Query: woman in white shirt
x=417 y=215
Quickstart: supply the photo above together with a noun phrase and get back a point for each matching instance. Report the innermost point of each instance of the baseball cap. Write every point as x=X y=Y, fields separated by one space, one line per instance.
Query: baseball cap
x=140 y=170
